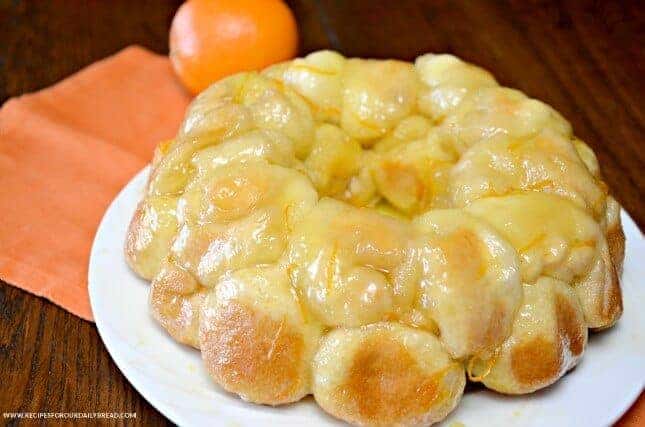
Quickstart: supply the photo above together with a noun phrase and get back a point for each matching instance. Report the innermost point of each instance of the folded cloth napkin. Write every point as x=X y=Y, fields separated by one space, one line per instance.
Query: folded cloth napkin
x=65 y=152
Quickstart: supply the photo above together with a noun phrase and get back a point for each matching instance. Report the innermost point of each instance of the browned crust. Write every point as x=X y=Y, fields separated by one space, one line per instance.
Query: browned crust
x=386 y=386
x=496 y=330
x=536 y=363
x=610 y=302
x=616 y=241
x=570 y=325
x=254 y=355
x=540 y=361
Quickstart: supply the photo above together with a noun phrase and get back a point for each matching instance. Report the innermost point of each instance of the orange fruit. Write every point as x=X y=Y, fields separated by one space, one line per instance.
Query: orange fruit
x=211 y=39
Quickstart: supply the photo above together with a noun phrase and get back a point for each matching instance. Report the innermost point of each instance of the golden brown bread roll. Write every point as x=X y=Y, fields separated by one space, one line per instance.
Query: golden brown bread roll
x=469 y=281
x=548 y=338
x=555 y=238
x=386 y=374
x=256 y=340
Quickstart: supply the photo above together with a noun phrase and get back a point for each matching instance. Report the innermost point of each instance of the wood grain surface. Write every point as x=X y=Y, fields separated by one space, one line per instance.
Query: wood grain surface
x=585 y=58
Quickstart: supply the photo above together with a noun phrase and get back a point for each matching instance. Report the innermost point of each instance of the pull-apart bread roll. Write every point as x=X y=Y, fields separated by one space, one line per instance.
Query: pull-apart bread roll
x=500 y=111
x=548 y=337
x=375 y=232
x=555 y=238
x=546 y=163
x=256 y=340
x=469 y=281
x=351 y=266
x=386 y=374
x=447 y=81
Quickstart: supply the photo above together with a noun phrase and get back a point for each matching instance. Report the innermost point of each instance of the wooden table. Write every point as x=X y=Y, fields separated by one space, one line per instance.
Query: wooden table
x=585 y=58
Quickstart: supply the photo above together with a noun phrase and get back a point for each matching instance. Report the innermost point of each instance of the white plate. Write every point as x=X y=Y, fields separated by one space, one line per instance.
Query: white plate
x=171 y=377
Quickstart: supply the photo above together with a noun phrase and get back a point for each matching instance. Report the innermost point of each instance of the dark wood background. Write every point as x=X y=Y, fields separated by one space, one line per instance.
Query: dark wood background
x=585 y=58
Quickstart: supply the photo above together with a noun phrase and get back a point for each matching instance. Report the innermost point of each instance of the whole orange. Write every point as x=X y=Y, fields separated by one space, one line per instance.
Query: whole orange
x=211 y=39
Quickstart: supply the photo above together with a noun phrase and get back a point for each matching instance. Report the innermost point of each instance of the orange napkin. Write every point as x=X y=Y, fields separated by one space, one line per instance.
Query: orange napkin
x=65 y=152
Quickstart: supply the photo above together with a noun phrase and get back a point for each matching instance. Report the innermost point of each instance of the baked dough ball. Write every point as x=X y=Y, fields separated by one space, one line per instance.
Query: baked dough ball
x=613 y=229
x=236 y=216
x=372 y=104
x=261 y=144
x=334 y=160
x=555 y=238
x=351 y=266
x=214 y=116
x=176 y=299
x=493 y=111
x=599 y=291
x=233 y=213
x=588 y=157
x=448 y=80
x=229 y=108
x=552 y=236
x=547 y=163
x=549 y=336
x=318 y=78
x=255 y=339
x=414 y=176
x=278 y=107
x=386 y=374
x=365 y=230
x=150 y=234
x=469 y=281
